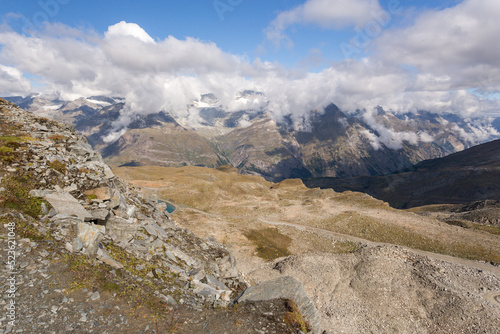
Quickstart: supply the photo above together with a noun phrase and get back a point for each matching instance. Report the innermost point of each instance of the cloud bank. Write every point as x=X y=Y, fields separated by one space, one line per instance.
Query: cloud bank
x=439 y=64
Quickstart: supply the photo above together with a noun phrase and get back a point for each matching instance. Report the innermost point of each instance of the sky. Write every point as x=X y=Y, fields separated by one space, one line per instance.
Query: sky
x=403 y=55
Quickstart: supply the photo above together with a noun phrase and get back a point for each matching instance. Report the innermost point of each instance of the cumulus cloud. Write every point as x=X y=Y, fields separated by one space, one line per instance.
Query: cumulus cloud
x=330 y=14
x=454 y=48
x=124 y=29
x=408 y=69
x=12 y=81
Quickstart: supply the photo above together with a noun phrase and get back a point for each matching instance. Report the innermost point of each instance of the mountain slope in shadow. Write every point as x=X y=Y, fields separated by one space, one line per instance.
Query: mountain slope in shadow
x=459 y=178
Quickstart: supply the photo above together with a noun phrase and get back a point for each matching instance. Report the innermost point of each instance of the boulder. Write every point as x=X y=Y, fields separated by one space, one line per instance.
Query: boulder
x=284 y=287
x=120 y=229
x=104 y=257
x=64 y=203
x=90 y=235
x=99 y=215
x=227 y=266
x=156 y=231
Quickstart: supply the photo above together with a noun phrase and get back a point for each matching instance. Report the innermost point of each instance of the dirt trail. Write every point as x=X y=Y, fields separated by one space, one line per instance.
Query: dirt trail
x=369 y=243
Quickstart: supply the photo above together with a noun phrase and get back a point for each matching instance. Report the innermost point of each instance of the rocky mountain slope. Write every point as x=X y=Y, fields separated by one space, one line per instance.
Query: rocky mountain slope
x=327 y=143
x=460 y=178
x=85 y=252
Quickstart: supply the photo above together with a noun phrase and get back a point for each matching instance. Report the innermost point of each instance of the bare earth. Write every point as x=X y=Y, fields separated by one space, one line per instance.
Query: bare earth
x=438 y=279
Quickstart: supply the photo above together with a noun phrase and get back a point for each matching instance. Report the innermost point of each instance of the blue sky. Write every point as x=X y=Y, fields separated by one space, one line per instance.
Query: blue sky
x=403 y=55
x=236 y=26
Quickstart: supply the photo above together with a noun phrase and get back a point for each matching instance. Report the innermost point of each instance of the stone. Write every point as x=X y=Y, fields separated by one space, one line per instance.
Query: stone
x=52 y=212
x=170 y=255
x=61 y=219
x=45 y=209
x=66 y=204
x=40 y=192
x=175 y=269
x=104 y=257
x=117 y=199
x=227 y=266
x=120 y=229
x=90 y=235
x=71 y=188
x=155 y=230
x=284 y=287
x=131 y=209
x=168 y=299
x=81 y=149
x=102 y=193
x=215 y=283
x=95 y=296
x=99 y=215
x=76 y=245
x=184 y=257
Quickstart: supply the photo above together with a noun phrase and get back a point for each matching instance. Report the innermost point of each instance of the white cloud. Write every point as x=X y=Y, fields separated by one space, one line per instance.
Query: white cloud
x=389 y=137
x=124 y=29
x=454 y=48
x=169 y=74
x=330 y=14
x=12 y=81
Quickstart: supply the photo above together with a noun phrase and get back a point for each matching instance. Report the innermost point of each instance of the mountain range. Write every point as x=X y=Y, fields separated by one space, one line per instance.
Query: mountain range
x=459 y=178
x=324 y=143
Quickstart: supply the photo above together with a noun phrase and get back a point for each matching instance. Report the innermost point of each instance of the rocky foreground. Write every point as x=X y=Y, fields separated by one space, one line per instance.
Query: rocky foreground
x=84 y=252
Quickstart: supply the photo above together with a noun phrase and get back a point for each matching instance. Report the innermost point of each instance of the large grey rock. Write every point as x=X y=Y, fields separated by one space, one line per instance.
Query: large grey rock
x=40 y=192
x=90 y=235
x=284 y=287
x=99 y=215
x=120 y=229
x=117 y=200
x=61 y=219
x=210 y=280
x=227 y=266
x=155 y=230
x=77 y=245
x=66 y=204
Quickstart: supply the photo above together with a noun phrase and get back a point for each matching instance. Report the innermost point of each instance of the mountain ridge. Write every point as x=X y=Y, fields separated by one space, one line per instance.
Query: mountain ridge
x=459 y=178
x=328 y=143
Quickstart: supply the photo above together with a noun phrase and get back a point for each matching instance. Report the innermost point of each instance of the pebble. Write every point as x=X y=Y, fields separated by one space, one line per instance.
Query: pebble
x=95 y=296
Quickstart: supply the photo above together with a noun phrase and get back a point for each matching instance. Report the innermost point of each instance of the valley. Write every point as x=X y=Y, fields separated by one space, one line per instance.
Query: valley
x=345 y=247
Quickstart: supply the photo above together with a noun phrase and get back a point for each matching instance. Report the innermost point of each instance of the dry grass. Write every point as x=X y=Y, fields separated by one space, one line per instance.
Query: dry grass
x=270 y=243
x=293 y=317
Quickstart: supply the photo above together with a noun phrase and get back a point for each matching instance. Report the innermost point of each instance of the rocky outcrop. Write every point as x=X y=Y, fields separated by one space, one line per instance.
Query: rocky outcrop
x=92 y=211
